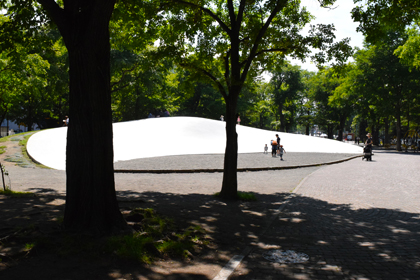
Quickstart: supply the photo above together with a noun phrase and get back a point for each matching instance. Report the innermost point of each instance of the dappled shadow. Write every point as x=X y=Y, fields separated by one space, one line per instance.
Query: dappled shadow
x=48 y=191
x=342 y=242
x=22 y=211
x=30 y=218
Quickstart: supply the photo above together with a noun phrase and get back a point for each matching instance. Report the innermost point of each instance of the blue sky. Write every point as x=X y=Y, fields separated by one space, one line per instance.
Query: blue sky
x=341 y=18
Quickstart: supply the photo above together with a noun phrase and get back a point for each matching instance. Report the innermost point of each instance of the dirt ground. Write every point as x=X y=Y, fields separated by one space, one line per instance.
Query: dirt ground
x=230 y=228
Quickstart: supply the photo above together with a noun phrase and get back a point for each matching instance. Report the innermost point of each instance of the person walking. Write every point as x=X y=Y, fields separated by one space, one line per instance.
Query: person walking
x=278 y=141
x=273 y=148
x=369 y=142
x=281 y=151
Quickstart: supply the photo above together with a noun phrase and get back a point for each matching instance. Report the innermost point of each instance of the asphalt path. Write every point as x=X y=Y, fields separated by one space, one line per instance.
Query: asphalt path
x=353 y=220
x=54 y=181
x=391 y=180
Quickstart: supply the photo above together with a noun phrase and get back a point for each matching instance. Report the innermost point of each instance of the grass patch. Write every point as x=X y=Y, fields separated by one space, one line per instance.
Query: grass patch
x=137 y=246
x=242 y=196
x=156 y=237
x=9 y=138
x=16 y=194
x=2 y=149
x=247 y=196
x=22 y=159
x=25 y=154
x=29 y=246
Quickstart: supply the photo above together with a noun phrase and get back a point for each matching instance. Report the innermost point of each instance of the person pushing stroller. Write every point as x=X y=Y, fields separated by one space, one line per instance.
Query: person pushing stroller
x=367 y=150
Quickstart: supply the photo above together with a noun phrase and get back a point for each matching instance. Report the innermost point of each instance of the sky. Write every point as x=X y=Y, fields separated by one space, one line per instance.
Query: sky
x=341 y=18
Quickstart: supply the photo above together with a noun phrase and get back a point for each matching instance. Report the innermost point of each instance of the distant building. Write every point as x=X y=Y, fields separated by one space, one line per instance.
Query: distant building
x=10 y=127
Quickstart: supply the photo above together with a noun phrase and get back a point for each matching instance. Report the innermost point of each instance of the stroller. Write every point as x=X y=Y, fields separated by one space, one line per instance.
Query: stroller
x=367 y=153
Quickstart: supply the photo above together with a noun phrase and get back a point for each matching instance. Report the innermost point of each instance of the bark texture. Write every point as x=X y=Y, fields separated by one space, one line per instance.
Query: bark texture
x=91 y=203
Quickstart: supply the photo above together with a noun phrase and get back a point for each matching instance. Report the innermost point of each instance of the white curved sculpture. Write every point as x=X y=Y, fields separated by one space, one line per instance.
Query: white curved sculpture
x=179 y=136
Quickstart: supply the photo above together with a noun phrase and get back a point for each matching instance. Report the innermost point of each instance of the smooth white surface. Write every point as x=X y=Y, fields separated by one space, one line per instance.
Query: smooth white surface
x=179 y=136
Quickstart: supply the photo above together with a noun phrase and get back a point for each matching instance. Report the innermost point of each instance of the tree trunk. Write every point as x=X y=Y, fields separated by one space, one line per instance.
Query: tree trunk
x=330 y=131
x=362 y=130
x=398 y=124
x=398 y=130
x=91 y=203
x=340 y=133
x=386 y=128
x=375 y=133
x=230 y=178
x=282 y=120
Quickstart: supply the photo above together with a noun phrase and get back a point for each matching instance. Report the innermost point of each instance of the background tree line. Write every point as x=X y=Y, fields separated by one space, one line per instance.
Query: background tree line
x=378 y=92
x=104 y=61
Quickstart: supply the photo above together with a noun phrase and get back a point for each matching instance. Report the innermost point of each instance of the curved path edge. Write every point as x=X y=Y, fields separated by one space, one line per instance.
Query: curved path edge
x=244 y=169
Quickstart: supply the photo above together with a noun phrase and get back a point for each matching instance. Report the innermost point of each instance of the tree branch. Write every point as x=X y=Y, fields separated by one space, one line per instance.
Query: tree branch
x=241 y=11
x=227 y=68
x=231 y=10
x=122 y=76
x=8 y=67
x=265 y=51
x=273 y=50
x=56 y=13
x=210 y=76
x=207 y=11
x=280 y=5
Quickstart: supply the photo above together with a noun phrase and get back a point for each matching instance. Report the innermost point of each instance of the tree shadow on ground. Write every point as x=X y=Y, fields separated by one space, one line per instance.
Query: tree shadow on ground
x=229 y=225
x=342 y=243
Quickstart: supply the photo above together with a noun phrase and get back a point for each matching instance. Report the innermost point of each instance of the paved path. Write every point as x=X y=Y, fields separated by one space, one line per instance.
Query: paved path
x=48 y=180
x=355 y=220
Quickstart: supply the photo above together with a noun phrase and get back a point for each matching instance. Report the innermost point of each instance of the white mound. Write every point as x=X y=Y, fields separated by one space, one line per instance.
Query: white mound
x=179 y=136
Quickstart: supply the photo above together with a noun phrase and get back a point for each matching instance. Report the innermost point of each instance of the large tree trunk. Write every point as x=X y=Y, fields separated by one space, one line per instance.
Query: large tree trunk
x=91 y=203
x=230 y=178
x=330 y=131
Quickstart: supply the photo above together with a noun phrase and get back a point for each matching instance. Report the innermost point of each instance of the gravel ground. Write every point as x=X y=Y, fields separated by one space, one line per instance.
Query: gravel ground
x=215 y=161
x=40 y=180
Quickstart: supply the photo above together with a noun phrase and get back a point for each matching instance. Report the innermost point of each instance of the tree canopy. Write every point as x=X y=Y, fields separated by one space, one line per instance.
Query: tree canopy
x=104 y=61
x=228 y=42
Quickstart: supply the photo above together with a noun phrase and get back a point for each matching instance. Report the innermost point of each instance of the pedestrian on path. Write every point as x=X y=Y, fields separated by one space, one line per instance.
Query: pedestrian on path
x=273 y=148
x=280 y=151
x=368 y=143
x=278 y=141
